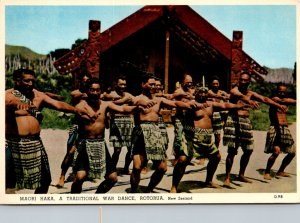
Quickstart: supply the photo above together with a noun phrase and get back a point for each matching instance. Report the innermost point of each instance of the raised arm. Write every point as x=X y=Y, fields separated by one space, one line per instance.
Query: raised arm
x=285 y=101
x=127 y=99
x=13 y=103
x=121 y=109
x=227 y=105
x=168 y=102
x=220 y=95
x=57 y=105
x=235 y=92
x=77 y=95
x=268 y=101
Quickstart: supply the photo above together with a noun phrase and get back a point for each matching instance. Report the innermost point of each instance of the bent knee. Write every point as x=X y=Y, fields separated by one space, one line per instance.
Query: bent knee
x=217 y=156
x=276 y=150
x=113 y=177
x=81 y=175
x=163 y=168
x=183 y=159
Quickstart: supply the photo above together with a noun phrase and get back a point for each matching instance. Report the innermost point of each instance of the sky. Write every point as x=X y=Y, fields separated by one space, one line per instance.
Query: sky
x=269 y=31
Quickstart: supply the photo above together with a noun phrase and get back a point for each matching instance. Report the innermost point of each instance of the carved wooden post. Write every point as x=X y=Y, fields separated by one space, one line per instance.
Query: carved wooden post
x=84 y=58
x=93 y=49
x=166 y=81
x=236 y=57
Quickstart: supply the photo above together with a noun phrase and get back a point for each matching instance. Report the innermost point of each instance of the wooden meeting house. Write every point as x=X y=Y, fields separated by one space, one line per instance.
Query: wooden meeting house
x=167 y=41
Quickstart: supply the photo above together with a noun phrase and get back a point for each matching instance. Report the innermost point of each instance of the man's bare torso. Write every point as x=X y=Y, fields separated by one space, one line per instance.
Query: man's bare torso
x=202 y=117
x=244 y=111
x=19 y=122
x=93 y=128
x=152 y=113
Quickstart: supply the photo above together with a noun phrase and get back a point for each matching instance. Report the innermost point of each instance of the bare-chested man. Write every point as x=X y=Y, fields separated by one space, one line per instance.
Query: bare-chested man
x=238 y=128
x=27 y=162
x=76 y=96
x=92 y=158
x=279 y=138
x=199 y=136
x=121 y=125
x=184 y=93
x=218 y=95
x=161 y=123
x=147 y=141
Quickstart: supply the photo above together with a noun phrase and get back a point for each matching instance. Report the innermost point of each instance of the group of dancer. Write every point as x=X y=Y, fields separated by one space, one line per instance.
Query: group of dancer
x=136 y=122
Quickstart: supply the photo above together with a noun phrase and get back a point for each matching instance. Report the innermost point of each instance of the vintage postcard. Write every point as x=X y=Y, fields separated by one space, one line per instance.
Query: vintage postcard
x=157 y=103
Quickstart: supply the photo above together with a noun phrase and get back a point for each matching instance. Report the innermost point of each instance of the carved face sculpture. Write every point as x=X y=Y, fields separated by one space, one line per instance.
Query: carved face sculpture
x=94 y=26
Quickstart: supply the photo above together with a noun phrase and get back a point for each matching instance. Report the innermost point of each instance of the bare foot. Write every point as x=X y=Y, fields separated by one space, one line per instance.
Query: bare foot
x=144 y=170
x=173 y=190
x=282 y=174
x=201 y=161
x=244 y=179
x=212 y=185
x=267 y=176
x=61 y=182
x=226 y=183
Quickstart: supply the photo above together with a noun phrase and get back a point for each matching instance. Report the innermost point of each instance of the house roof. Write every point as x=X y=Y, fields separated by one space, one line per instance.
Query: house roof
x=202 y=37
x=197 y=34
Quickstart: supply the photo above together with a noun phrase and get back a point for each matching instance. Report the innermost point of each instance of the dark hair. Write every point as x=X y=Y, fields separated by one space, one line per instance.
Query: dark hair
x=245 y=72
x=158 y=79
x=20 y=72
x=184 y=76
x=120 y=77
x=147 y=76
x=92 y=81
x=213 y=78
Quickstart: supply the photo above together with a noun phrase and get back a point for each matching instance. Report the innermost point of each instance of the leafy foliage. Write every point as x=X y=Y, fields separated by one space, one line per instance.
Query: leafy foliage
x=47 y=80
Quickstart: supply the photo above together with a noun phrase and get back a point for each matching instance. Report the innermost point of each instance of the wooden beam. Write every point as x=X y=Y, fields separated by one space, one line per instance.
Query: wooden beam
x=167 y=54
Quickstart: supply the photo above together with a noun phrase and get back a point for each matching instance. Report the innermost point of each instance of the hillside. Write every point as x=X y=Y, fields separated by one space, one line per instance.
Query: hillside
x=23 y=52
x=274 y=75
x=284 y=75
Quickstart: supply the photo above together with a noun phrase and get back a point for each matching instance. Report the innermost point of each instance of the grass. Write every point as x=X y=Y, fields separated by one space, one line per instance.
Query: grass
x=55 y=120
x=260 y=118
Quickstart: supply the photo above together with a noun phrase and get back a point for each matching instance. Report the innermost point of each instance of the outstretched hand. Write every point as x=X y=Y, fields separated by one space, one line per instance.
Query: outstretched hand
x=202 y=105
x=146 y=104
x=283 y=108
x=254 y=104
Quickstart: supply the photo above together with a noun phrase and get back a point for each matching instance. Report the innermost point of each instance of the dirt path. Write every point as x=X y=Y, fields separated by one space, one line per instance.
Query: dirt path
x=192 y=182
